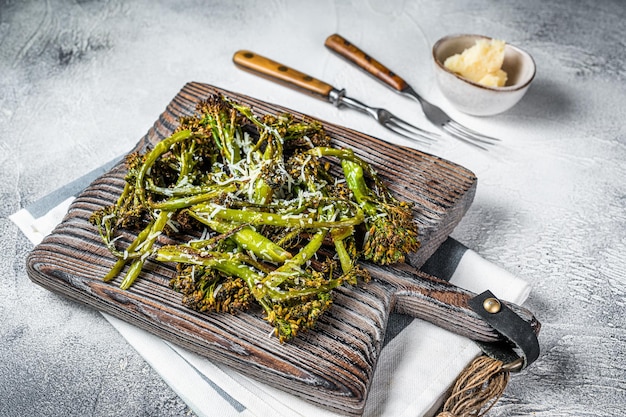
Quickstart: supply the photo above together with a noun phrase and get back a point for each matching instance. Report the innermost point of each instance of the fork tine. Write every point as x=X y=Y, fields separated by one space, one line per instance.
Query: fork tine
x=470 y=132
x=442 y=120
x=454 y=130
x=409 y=135
x=401 y=124
x=464 y=138
x=418 y=137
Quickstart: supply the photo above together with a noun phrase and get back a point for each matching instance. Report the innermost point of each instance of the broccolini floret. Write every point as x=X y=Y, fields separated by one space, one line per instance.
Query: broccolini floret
x=391 y=232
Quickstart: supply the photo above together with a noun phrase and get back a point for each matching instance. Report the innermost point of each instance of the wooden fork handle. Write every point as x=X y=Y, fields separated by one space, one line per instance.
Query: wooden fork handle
x=353 y=54
x=282 y=74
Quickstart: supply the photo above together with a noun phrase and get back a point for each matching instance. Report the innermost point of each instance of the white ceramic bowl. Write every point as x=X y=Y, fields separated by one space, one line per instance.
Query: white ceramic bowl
x=477 y=99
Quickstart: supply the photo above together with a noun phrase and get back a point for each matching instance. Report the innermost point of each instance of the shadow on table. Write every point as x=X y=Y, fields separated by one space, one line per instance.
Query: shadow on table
x=545 y=98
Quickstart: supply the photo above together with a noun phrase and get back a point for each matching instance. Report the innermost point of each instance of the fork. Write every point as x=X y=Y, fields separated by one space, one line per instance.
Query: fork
x=265 y=67
x=434 y=114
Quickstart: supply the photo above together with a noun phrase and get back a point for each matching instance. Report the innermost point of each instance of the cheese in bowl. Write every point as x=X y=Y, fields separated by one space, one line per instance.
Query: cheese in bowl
x=482 y=63
x=480 y=76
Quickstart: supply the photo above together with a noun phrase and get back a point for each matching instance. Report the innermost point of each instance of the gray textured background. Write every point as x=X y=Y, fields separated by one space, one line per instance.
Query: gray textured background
x=81 y=81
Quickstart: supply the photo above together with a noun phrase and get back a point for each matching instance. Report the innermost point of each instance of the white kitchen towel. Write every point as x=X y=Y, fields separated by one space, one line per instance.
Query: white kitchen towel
x=416 y=367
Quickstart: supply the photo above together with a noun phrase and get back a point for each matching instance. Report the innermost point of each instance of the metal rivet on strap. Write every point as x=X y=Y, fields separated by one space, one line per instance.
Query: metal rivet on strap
x=491 y=305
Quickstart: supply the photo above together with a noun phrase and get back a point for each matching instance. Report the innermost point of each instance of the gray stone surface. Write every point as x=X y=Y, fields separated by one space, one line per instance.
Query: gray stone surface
x=82 y=81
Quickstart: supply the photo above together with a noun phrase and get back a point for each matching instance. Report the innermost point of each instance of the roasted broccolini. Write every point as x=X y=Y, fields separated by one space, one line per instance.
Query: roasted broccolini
x=278 y=229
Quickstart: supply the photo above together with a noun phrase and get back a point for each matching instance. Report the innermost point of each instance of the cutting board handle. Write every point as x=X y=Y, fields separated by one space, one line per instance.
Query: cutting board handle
x=423 y=296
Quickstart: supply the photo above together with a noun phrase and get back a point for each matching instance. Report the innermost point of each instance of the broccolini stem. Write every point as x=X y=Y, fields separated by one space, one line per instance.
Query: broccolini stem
x=224 y=262
x=224 y=132
x=125 y=256
x=129 y=253
x=247 y=112
x=306 y=253
x=248 y=239
x=281 y=296
x=257 y=218
x=115 y=270
x=343 y=154
x=345 y=259
x=348 y=155
x=262 y=192
x=125 y=193
x=190 y=190
x=184 y=202
x=145 y=249
x=211 y=243
x=289 y=236
x=133 y=272
x=356 y=183
x=158 y=150
x=276 y=277
x=186 y=161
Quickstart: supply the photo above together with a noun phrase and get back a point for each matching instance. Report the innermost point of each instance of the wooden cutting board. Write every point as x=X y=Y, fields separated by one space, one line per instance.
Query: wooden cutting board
x=331 y=366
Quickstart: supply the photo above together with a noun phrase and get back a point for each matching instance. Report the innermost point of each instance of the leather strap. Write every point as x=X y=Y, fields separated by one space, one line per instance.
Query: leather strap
x=521 y=348
x=443 y=263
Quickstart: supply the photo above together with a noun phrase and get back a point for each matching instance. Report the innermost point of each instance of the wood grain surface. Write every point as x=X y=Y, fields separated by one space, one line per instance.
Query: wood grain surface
x=331 y=366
